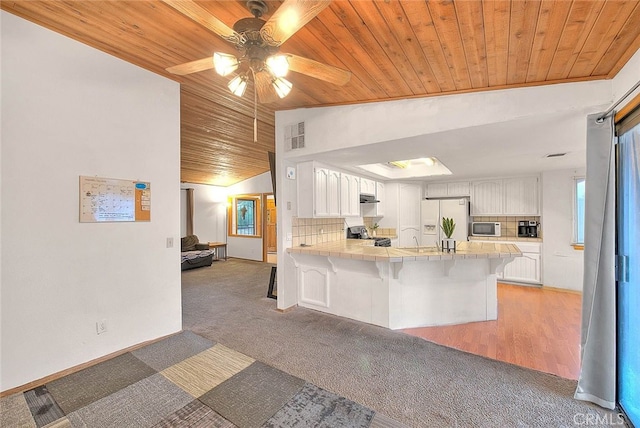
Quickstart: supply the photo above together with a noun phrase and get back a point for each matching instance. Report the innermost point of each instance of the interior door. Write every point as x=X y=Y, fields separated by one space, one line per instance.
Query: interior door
x=628 y=249
x=409 y=214
x=272 y=237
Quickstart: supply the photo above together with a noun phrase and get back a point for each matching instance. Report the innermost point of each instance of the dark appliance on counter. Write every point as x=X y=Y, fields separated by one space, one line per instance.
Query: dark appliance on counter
x=360 y=232
x=366 y=198
x=527 y=229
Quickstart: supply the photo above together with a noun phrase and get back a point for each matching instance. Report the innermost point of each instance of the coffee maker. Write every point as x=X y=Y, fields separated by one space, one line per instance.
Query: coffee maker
x=527 y=229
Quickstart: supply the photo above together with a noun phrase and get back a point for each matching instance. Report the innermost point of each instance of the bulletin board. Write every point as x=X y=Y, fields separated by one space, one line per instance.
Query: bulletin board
x=114 y=200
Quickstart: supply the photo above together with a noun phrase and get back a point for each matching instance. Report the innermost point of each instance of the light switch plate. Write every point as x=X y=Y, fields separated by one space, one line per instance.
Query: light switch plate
x=291 y=173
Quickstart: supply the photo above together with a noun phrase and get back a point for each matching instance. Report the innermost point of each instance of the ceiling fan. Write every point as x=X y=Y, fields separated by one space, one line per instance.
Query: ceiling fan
x=258 y=42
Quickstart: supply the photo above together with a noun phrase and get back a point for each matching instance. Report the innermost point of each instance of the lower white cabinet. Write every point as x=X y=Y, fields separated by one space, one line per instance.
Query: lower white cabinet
x=527 y=268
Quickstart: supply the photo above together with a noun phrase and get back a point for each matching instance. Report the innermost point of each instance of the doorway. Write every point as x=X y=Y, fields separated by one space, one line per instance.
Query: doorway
x=270 y=232
x=628 y=287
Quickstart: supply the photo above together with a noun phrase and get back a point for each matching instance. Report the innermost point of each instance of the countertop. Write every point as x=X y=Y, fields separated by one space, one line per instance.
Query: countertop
x=359 y=250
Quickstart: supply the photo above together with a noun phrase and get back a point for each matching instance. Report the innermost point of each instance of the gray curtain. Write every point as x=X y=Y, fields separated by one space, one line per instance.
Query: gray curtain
x=597 y=382
x=189 y=212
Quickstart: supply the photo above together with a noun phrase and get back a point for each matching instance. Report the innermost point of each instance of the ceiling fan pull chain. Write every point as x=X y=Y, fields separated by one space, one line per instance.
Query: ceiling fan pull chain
x=255 y=110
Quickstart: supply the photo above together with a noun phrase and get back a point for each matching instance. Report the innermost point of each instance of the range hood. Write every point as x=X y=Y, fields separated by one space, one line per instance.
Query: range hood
x=366 y=198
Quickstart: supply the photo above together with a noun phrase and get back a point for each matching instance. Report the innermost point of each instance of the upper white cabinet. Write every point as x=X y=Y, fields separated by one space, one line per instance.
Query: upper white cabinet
x=318 y=191
x=509 y=196
x=349 y=195
x=487 y=197
x=367 y=186
x=447 y=190
x=376 y=209
x=436 y=190
x=521 y=196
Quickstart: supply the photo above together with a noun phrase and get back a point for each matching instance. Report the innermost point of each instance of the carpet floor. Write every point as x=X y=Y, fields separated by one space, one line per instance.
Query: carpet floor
x=240 y=362
x=413 y=381
x=184 y=381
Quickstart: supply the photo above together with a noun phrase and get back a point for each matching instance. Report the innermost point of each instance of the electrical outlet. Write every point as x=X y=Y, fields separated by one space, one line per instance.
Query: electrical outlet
x=169 y=242
x=101 y=326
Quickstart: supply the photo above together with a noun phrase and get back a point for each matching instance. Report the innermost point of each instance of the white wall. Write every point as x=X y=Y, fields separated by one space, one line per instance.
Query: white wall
x=249 y=248
x=562 y=266
x=70 y=110
x=331 y=128
x=210 y=212
x=626 y=78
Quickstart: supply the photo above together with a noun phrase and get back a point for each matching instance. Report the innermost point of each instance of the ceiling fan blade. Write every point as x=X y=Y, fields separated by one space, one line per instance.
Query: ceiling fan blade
x=203 y=17
x=291 y=16
x=262 y=82
x=192 y=67
x=318 y=70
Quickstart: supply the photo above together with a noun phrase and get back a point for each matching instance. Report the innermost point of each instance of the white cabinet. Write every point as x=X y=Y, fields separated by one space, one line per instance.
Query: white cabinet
x=436 y=190
x=526 y=269
x=349 y=195
x=377 y=209
x=367 y=186
x=486 y=198
x=318 y=191
x=521 y=196
x=508 y=197
x=447 y=190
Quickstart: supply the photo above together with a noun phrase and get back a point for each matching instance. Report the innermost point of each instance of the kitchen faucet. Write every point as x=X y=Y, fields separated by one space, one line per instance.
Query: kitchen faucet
x=417 y=244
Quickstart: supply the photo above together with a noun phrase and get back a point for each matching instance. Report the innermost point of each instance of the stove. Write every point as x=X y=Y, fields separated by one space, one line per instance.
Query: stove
x=360 y=232
x=382 y=242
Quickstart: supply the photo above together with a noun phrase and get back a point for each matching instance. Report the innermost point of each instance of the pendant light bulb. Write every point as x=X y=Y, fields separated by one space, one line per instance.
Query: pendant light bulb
x=238 y=85
x=282 y=86
x=224 y=64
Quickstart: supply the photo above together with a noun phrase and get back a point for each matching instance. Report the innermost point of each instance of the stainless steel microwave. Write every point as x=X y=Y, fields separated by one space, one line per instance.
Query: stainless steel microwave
x=485 y=228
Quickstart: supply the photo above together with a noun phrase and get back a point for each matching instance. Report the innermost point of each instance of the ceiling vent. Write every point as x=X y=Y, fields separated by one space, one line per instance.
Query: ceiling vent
x=555 y=155
x=294 y=136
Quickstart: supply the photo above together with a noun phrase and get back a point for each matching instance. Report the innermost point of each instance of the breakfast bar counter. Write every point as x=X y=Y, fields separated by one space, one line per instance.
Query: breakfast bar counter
x=401 y=287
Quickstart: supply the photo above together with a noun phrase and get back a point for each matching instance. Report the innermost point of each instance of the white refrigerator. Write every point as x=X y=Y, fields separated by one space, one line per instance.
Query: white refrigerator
x=431 y=213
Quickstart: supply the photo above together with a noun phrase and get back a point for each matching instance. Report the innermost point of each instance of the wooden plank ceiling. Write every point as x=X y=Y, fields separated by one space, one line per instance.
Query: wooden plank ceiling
x=394 y=49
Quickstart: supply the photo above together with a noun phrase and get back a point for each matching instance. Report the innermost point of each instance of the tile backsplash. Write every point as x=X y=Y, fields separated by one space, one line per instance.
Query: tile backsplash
x=311 y=231
x=381 y=231
x=510 y=224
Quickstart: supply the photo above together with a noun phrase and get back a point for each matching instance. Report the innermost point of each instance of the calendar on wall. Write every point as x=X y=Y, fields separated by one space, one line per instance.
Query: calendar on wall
x=114 y=200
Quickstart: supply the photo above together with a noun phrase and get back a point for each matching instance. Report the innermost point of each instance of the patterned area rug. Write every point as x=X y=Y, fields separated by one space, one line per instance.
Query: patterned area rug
x=184 y=381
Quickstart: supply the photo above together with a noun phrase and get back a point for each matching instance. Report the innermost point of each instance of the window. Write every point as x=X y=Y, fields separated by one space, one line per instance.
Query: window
x=244 y=216
x=578 y=210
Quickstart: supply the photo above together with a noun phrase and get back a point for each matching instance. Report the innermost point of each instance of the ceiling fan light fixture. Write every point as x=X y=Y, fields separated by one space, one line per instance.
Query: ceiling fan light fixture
x=278 y=65
x=238 y=85
x=224 y=64
x=282 y=86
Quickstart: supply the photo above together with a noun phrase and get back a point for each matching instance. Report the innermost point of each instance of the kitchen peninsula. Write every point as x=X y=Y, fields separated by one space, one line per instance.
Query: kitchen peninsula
x=401 y=287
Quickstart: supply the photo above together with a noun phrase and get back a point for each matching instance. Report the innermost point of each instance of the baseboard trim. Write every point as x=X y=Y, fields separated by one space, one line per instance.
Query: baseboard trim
x=562 y=290
x=285 y=310
x=55 y=376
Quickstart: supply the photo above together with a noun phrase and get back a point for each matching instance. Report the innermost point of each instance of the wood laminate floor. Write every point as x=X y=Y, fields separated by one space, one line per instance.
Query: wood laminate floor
x=536 y=328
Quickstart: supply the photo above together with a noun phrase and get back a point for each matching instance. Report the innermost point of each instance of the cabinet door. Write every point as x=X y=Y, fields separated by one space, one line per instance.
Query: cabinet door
x=437 y=190
x=458 y=189
x=367 y=186
x=521 y=196
x=524 y=269
x=380 y=197
x=486 y=198
x=320 y=192
x=333 y=194
x=349 y=195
